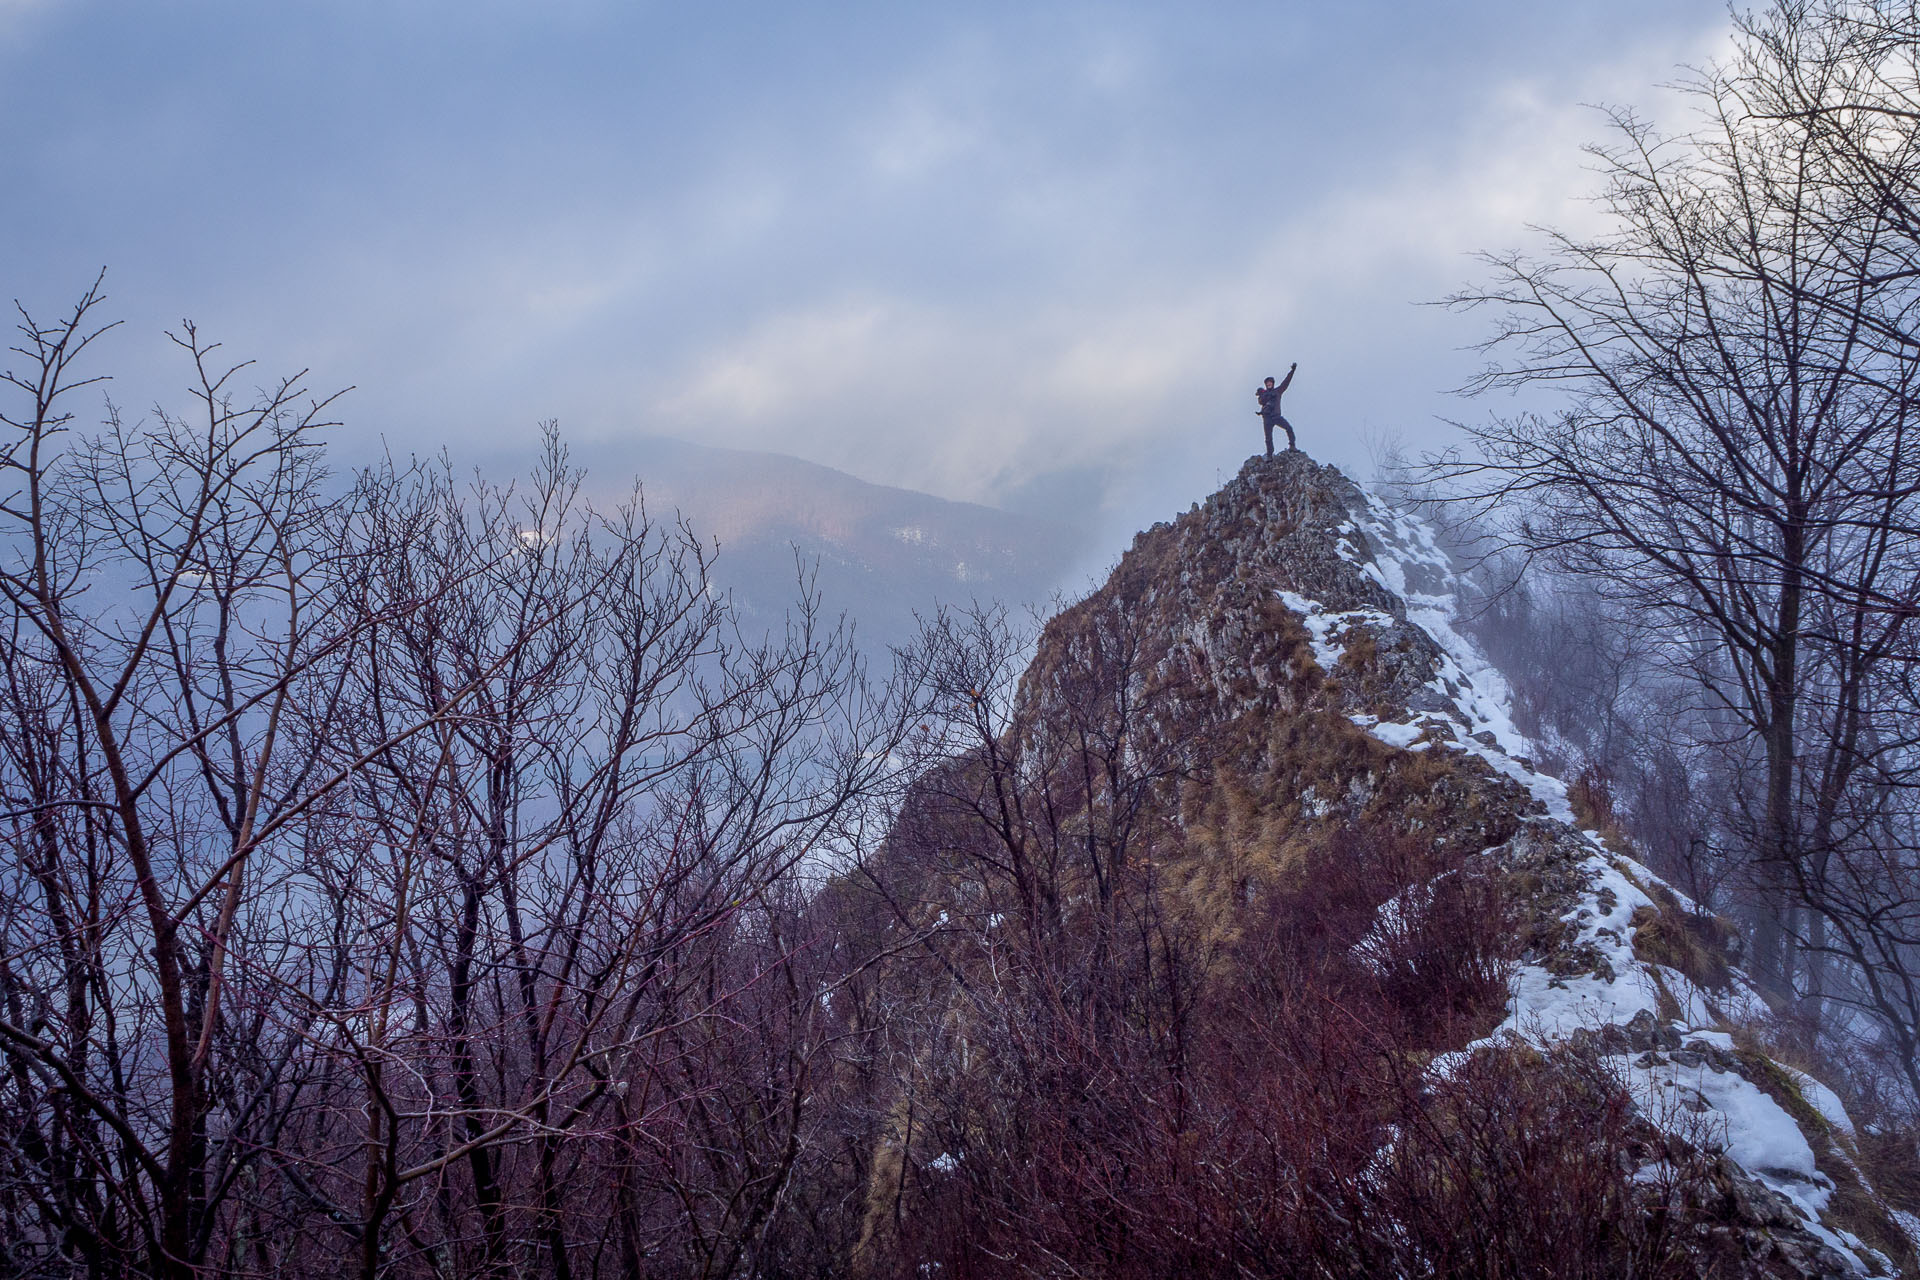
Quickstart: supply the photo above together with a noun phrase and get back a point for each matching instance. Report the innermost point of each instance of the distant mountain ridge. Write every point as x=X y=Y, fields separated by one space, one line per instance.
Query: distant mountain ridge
x=882 y=553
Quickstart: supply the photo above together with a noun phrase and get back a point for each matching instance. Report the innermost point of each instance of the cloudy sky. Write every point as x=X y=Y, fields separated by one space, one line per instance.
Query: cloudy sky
x=1026 y=253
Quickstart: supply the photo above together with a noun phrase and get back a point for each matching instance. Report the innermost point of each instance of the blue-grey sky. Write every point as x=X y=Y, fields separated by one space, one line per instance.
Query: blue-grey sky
x=955 y=247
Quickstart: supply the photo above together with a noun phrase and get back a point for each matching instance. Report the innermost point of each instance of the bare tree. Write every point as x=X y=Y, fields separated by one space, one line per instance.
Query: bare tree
x=1733 y=456
x=170 y=589
x=1085 y=1072
x=400 y=877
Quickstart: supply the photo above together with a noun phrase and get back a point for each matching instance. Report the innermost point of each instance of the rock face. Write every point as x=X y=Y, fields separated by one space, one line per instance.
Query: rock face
x=1284 y=618
x=1293 y=639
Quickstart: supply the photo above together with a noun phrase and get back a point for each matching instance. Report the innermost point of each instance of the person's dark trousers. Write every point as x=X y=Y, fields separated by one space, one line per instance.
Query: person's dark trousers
x=1266 y=425
x=1288 y=428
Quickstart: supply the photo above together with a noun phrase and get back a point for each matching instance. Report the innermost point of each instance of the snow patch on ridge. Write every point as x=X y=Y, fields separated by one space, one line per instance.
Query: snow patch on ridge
x=1724 y=1110
x=1323 y=626
x=1409 y=563
x=1395 y=735
x=1545 y=1007
x=1821 y=1099
x=1693 y=1096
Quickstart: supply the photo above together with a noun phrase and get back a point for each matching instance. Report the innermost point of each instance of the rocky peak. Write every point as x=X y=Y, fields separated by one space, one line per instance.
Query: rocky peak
x=1295 y=633
x=1287 y=521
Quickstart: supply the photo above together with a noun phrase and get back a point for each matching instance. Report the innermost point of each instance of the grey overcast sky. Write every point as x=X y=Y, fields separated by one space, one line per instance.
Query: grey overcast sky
x=1020 y=253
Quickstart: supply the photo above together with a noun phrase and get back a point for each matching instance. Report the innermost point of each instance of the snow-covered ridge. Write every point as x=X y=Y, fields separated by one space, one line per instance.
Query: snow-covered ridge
x=1681 y=1070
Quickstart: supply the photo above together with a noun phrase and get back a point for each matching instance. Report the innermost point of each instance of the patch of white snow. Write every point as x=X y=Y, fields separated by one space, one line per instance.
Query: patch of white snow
x=1398 y=735
x=1822 y=1099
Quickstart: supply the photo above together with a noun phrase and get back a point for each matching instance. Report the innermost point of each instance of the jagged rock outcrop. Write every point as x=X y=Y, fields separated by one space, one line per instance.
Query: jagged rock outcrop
x=1290 y=675
x=1279 y=616
x=1266 y=678
x=1373 y=592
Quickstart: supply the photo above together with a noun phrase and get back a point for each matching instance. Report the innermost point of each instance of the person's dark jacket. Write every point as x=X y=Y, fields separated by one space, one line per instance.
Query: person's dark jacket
x=1269 y=398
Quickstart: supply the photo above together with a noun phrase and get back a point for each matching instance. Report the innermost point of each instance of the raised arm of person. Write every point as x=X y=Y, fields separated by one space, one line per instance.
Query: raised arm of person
x=1288 y=380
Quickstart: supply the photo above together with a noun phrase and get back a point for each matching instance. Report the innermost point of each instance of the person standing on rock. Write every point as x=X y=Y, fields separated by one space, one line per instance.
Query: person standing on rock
x=1269 y=398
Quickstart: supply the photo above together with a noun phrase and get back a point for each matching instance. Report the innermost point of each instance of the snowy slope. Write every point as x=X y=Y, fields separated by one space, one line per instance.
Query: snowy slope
x=1682 y=1071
